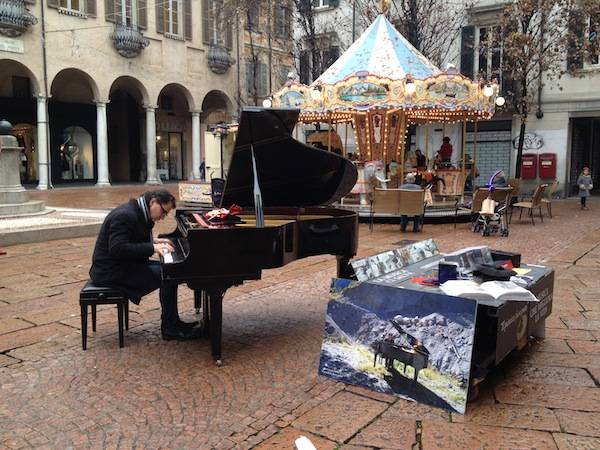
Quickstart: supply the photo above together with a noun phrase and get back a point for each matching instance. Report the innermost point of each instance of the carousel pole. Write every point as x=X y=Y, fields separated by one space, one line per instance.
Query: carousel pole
x=474 y=164
x=329 y=135
x=345 y=139
x=464 y=145
x=401 y=161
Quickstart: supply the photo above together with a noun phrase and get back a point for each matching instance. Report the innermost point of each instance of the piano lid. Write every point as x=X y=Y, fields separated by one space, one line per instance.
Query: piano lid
x=290 y=173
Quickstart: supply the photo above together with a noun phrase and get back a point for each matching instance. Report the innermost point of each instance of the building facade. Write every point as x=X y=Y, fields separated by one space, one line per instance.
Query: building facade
x=115 y=90
x=566 y=122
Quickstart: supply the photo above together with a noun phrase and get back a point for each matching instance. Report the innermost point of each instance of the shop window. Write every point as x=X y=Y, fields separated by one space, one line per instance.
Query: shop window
x=76 y=155
x=169 y=151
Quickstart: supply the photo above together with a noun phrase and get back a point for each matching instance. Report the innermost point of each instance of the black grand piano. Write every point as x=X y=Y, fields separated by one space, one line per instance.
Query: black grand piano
x=280 y=184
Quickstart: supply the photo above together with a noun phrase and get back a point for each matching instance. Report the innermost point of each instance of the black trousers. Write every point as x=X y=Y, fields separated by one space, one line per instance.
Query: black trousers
x=583 y=200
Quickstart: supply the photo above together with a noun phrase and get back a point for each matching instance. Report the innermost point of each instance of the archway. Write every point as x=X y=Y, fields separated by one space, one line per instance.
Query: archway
x=126 y=122
x=216 y=107
x=72 y=121
x=18 y=88
x=174 y=132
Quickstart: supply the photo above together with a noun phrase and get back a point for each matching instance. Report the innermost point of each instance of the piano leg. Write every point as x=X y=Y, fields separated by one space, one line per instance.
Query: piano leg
x=215 y=320
x=343 y=267
x=197 y=300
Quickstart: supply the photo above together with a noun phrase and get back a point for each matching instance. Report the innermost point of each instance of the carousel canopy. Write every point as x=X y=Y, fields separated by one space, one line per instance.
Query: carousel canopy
x=380 y=51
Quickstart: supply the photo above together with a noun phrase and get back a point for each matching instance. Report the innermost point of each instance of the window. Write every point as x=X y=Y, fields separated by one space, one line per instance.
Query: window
x=257 y=79
x=283 y=75
x=329 y=56
x=173 y=17
x=253 y=18
x=72 y=5
x=216 y=24
x=283 y=22
x=132 y=13
x=324 y=3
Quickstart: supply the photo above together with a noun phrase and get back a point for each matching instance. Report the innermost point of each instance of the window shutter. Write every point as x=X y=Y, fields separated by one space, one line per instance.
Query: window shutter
x=187 y=19
x=228 y=35
x=160 y=16
x=205 y=22
x=90 y=8
x=249 y=78
x=109 y=10
x=576 y=30
x=264 y=79
x=467 y=51
x=53 y=3
x=142 y=14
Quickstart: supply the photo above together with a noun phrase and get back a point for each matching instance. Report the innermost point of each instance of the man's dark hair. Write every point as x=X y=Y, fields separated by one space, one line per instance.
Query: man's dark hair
x=162 y=196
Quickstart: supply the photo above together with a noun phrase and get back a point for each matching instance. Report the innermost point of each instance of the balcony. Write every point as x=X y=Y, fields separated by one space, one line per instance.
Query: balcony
x=128 y=41
x=15 y=18
x=219 y=60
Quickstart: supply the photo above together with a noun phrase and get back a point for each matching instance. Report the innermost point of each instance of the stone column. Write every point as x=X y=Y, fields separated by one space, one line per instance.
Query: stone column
x=196 y=145
x=102 y=144
x=151 y=173
x=42 y=143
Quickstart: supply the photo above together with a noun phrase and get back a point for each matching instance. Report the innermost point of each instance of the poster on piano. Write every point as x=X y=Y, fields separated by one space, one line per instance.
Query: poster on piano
x=417 y=345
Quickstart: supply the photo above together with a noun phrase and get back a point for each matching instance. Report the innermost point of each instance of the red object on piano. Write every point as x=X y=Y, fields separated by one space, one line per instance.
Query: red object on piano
x=2 y=252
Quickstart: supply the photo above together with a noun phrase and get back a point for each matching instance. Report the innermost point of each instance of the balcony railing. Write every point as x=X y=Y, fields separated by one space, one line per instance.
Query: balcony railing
x=219 y=59
x=129 y=41
x=15 y=18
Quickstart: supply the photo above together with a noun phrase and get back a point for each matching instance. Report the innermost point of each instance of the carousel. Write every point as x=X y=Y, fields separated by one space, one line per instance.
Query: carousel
x=376 y=90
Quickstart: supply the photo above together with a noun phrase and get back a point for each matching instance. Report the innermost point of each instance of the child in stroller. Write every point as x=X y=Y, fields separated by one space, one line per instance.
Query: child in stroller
x=492 y=217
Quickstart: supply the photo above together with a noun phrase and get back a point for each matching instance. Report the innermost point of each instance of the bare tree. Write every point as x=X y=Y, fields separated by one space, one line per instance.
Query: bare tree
x=431 y=26
x=536 y=36
x=305 y=15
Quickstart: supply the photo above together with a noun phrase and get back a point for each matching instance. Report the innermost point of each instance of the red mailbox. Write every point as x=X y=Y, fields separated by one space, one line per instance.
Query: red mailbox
x=529 y=166
x=548 y=166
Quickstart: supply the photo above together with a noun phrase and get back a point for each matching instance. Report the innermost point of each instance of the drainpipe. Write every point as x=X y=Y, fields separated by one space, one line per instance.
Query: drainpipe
x=45 y=70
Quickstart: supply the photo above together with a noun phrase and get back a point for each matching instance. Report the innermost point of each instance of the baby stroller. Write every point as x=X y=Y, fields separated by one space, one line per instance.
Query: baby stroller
x=492 y=217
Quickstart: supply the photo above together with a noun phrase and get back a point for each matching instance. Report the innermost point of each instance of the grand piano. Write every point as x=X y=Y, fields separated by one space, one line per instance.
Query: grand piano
x=281 y=185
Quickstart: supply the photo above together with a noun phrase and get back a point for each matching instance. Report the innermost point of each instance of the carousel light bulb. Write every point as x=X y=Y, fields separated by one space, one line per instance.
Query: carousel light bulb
x=267 y=102
x=500 y=101
x=488 y=90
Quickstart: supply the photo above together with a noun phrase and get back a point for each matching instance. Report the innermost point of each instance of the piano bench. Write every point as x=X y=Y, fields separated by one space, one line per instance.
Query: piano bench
x=92 y=295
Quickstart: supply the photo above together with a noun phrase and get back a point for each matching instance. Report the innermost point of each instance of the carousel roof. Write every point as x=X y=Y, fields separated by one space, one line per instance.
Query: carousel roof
x=381 y=51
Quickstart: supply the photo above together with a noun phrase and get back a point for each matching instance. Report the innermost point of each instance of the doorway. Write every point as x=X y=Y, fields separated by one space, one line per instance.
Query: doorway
x=169 y=155
x=585 y=150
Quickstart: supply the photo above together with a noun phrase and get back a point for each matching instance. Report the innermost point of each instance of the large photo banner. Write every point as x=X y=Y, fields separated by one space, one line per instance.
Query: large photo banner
x=417 y=345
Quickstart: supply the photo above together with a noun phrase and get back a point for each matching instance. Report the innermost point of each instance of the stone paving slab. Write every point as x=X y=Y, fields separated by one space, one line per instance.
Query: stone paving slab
x=157 y=394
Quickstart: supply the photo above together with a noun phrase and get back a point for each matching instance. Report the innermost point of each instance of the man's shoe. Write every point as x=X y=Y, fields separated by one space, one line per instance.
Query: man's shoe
x=180 y=334
x=186 y=325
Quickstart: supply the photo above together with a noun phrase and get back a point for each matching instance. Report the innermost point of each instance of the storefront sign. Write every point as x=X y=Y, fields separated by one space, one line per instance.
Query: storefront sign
x=11 y=45
x=195 y=192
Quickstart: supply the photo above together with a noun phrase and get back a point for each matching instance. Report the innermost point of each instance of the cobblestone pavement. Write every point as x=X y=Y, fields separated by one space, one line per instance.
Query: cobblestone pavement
x=157 y=394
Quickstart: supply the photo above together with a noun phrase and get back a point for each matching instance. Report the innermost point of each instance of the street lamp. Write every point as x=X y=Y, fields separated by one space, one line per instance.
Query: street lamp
x=488 y=90
x=500 y=101
x=267 y=102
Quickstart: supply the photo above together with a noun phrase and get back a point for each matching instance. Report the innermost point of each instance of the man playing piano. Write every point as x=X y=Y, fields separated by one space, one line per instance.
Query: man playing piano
x=122 y=252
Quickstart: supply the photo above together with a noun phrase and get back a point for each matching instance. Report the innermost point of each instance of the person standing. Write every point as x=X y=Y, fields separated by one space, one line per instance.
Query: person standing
x=585 y=184
x=445 y=151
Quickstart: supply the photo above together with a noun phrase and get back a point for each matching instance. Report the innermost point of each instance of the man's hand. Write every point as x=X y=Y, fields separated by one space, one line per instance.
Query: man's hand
x=163 y=247
x=162 y=241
